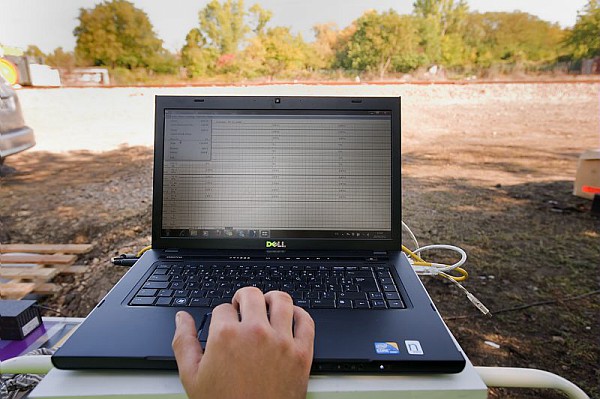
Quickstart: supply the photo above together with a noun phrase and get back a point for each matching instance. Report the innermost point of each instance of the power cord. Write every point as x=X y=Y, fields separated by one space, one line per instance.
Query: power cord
x=129 y=260
x=425 y=268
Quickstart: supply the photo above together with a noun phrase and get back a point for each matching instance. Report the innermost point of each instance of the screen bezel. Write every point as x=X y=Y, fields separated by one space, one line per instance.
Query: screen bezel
x=232 y=103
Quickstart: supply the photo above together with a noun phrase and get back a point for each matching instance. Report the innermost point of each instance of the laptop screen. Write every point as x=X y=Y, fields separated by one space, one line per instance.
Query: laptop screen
x=277 y=174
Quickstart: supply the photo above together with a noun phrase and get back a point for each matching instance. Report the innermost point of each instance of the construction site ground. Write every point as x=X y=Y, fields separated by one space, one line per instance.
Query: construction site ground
x=487 y=167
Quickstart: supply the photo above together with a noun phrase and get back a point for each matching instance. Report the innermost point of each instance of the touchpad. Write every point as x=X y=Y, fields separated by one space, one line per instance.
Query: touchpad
x=203 y=330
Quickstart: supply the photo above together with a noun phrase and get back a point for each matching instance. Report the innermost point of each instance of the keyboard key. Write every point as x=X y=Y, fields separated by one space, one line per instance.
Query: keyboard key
x=352 y=295
x=146 y=292
x=142 y=301
x=216 y=302
x=322 y=304
x=328 y=295
x=180 y=293
x=165 y=293
x=396 y=304
x=159 y=278
x=378 y=305
x=361 y=304
x=388 y=288
x=303 y=303
x=160 y=271
x=203 y=302
x=179 y=302
x=156 y=285
x=214 y=294
x=390 y=295
x=298 y=295
x=163 y=301
x=177 y=285
x=359 y=273
x=344 y=304
x=376 y=295
x=386 y=280
x=366 y=284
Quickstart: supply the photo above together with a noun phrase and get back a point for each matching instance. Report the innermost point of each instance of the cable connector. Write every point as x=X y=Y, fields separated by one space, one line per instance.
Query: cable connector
x=426 y=270
x=482 y=308
x=124 y=261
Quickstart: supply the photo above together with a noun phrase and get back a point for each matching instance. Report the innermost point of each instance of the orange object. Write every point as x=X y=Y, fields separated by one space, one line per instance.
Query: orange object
x=9 y=71
x=587 y=177
x=590 y=189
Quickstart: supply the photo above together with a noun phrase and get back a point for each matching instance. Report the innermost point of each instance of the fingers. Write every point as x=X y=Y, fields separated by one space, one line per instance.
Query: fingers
x=222 y=315
x=186 y=347
x=281 y=310
x=250 y=302
x=304 y=328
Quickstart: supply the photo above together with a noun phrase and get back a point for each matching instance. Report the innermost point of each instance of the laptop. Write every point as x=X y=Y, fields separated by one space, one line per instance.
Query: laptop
x=298 y=194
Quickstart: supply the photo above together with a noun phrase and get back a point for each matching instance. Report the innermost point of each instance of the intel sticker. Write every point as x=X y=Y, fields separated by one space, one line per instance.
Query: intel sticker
x=386 y=348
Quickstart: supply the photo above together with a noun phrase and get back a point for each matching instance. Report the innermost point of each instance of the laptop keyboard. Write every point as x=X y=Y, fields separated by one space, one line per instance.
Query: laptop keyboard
x=311 y=286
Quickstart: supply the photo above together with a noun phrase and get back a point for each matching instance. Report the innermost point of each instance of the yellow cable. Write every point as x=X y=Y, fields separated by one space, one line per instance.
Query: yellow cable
x=414 y=256
x=141 y=252
x=418 y=261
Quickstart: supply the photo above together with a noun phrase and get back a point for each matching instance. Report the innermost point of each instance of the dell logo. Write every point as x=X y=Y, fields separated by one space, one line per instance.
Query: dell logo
x=276 y=244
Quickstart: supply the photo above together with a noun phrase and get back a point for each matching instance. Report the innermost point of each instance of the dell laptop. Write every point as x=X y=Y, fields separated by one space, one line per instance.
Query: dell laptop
x=298 y=194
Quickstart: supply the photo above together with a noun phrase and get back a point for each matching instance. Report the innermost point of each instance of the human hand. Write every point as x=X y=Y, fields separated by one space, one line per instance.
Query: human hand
x=247 y=356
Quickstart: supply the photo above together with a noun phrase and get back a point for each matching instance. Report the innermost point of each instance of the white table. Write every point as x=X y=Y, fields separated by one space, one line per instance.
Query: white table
x=165 y=384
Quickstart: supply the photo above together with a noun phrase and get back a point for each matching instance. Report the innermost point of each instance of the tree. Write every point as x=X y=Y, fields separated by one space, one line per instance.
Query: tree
x=61 y=59
x=584 y=39
x=324 y=47
x=442 y=28
x=34 y=51
x=224 y=25
x=216 y=44
x=515 y=37
x=275 y=51
x=196 y=57
x=117 y=34
x=378 y=40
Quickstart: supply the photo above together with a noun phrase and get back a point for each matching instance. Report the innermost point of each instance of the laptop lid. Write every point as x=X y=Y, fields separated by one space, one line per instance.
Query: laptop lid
x=277 y=173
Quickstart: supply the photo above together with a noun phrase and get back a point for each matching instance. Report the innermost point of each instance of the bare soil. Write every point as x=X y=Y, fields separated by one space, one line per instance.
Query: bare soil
x=489 y=171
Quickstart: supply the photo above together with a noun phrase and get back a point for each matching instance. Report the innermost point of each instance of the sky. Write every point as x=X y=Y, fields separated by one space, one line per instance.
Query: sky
x=49 y=23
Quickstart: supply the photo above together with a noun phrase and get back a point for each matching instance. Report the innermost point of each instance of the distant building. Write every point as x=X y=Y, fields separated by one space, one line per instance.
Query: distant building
x=590 y=66
x=85 y=77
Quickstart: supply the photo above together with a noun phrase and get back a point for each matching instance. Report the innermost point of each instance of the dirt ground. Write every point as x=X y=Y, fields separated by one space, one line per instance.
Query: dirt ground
x=488 y=168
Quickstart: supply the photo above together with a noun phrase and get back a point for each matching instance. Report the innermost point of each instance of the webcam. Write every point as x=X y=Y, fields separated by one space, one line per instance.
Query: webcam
x=277 y=100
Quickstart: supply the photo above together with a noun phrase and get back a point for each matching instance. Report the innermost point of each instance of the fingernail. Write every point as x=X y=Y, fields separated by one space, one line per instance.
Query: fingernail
x=177 y=318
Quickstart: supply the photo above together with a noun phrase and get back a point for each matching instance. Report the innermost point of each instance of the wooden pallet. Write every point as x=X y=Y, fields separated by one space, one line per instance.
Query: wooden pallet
x=29 y=268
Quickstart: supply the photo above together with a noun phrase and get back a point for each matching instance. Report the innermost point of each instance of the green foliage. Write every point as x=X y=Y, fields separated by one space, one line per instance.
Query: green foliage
x=378 y=40
x=276 y=51
x=196 y=57
x=584 y=39
x=224 y=25
x=117 y=34
x=323 y=50
x=515 y=37
x=34 y=51
x=442 y=24
x=61 y=59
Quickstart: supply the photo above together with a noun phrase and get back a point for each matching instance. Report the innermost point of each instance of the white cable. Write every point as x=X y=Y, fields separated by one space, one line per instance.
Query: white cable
x=411 y=234
x=440 y=266
x=39 y=364
x=511 y=377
